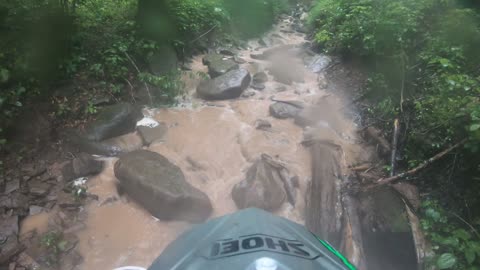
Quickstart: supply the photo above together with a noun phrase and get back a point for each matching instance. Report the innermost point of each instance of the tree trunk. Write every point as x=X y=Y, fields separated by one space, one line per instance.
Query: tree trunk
x=324 y=211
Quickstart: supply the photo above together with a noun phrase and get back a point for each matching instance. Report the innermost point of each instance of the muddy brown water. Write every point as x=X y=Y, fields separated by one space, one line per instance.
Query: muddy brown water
x=214 y=143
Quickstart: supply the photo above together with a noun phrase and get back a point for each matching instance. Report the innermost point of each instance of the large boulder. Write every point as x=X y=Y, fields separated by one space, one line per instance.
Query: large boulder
x=263 y=188
x=217 y=65
x=229 y=85
x=285 y=109
x=113 y=121
x=160 y=186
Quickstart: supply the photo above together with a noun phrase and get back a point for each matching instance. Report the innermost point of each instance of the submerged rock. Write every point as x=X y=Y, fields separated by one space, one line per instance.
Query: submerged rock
x=263 y=187
x=228 y=86
x=113 y=121
x=160 y=186
x=286 y=109
x=260 y=78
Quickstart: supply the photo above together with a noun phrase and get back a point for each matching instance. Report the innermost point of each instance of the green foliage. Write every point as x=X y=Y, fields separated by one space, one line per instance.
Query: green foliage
x=423 y=50
x=455 y=247
x=166 y=88
x=53 y=241
x=253 y=17
x=195 y=17
x=423 y=60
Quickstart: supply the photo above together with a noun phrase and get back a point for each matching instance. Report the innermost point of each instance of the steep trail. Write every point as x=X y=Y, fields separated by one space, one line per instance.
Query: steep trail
x=214 y=143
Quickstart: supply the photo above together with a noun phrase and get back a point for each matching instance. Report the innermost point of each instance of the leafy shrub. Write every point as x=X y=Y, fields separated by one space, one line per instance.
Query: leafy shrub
x=456 y=245
x=424 y=59
x=422 y=52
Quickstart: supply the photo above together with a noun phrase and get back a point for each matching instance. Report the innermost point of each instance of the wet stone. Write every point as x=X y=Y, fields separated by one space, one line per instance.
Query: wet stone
x=83 y=165
x=262 y=187
x=12 y=186
x=228 y=86
x=318 y=63
x=15 y=201
x=239 y=60
x=260 y=77
x=263 y=124
x=258 y=86
x=113 y=121
x=248 y=94
x=283 y=110
x=160 y=186
x=227 y=52
x=35 y=210
x=39 y=189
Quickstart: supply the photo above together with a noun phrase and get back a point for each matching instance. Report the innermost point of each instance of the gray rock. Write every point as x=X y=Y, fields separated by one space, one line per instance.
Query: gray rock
x=35 y=210
x=113 y=121
x=38 y=189
x=262 y=188
x=239 y=60
x=151 y=134
x=318 y=63
x=228 y=86
x=262 y=124
x=9 y=245
x=248 y=93
x=12 y=186
x=260 y=78
x=94 y=148
x=227 y=52
x=14 y=200
x=283 y=110
x=210 y=58
x=83 y=165
x=258 y=86
x=160 y=186
x=219 y=67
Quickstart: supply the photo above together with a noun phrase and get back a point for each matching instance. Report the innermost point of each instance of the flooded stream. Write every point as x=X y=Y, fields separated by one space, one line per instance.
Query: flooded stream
x=214 y=143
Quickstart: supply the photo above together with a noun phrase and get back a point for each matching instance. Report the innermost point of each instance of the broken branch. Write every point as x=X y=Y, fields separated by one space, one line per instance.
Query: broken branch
x=393 y=158
x=385 y=181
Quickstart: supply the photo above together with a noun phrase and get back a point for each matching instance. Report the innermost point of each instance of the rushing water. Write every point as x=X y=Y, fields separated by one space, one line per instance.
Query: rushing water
x=214 y=143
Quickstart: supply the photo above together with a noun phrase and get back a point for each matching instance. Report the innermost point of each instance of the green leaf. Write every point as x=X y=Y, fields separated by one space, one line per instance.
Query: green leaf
x=446 y=260
x=474 y=127
x=4 y=75
x=433 y=214
x=470 y=255
x=462 y=234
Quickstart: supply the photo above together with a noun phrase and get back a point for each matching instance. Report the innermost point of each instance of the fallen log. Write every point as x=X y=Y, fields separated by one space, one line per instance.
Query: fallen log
x=352 y=242
x=418 y=238
x=385 y=181
x=323 y=209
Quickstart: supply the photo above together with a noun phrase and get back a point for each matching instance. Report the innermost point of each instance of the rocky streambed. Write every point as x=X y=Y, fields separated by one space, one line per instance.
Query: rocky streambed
x=270 y=129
